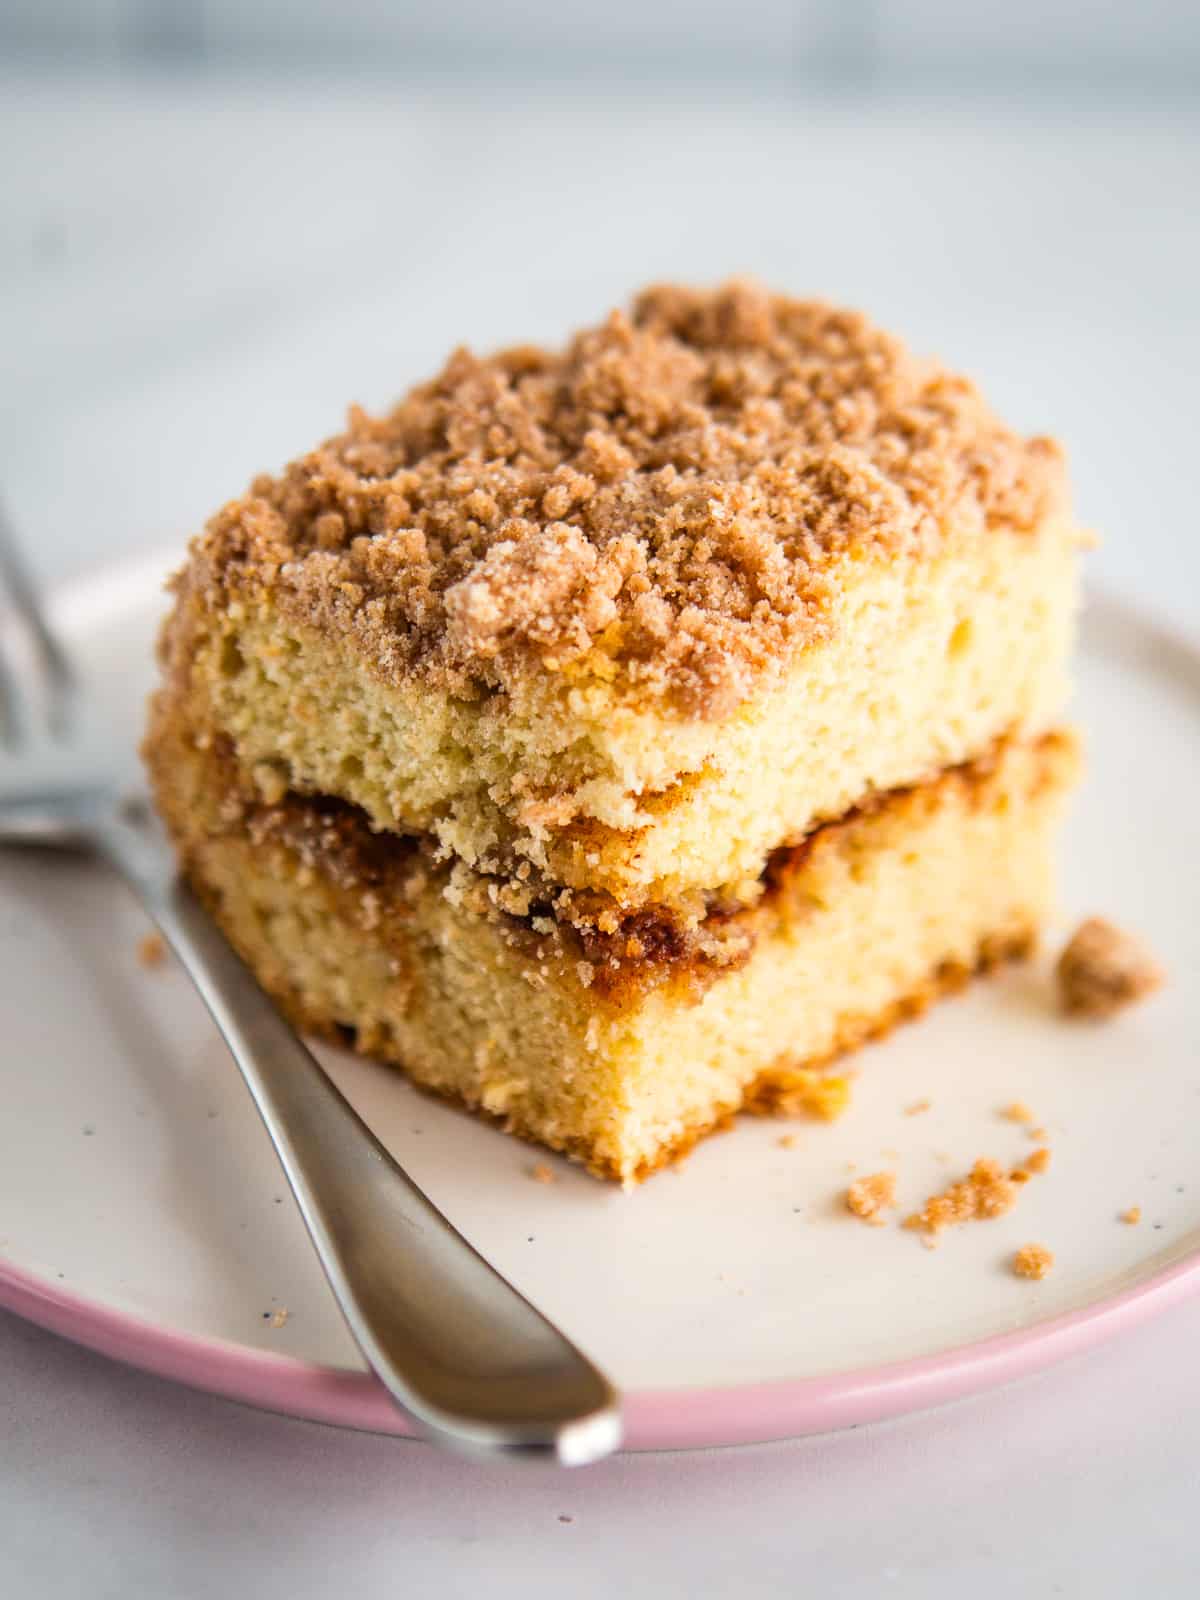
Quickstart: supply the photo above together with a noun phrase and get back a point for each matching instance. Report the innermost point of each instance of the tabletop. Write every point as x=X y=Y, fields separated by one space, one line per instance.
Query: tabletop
x=197 y=276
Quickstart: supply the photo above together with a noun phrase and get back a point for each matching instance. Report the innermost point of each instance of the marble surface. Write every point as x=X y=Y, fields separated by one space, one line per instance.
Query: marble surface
x=192 y=278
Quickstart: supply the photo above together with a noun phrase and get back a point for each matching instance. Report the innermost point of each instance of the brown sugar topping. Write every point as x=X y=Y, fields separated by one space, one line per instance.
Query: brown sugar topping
x=658 y=504
x=1104 y=969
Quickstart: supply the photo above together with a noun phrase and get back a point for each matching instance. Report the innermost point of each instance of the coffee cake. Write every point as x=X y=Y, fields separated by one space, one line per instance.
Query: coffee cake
x=623 y=721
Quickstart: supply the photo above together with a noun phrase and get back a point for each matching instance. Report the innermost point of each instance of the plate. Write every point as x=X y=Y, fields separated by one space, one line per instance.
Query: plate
x=142 y=1212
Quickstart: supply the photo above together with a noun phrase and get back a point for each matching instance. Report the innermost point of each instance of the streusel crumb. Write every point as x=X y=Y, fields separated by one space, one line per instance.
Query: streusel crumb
x=660 y=502
x=151 y=950
x=870 y=1197
x=541 y=1173
x=987 y=1191
x=1018 y=1111
x=1104 y=969
x=1132 y=1216
x=1032 y=1261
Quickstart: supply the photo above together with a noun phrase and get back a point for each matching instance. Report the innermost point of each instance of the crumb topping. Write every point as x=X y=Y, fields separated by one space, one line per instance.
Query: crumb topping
x=868 y=1198
x=1032 y=1261
x=658 y=504
x=1104 y=969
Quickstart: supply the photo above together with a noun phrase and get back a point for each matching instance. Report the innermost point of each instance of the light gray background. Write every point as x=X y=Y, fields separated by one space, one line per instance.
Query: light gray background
x=201 y=259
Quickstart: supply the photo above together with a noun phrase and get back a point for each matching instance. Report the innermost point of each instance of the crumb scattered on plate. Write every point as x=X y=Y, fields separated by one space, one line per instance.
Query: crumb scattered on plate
x=987 y=1191
x=1032 y=1261
x=541 y=1173
x=1104 y=969
x=1133 y=1215
x=278 y=1317
x=917 y=1107
x=868 y=1198
x=1018 y=1111
x=151 y=950
x=787 y=1142
x=1038 y=1161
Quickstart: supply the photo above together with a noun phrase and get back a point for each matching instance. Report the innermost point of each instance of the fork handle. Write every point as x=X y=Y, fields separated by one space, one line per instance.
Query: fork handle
x=463 y=1353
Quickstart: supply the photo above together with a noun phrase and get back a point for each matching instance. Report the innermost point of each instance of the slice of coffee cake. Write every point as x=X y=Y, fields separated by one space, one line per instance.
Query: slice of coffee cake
x=602 y=728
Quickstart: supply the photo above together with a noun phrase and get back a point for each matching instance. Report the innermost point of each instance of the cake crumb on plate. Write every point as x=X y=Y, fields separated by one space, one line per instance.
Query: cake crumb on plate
x=1132 y=1215
x=1032 y=1261
x=1017 y=1111
x=869 y=1197
x=1103 y=969
x=541 y=1173
x=987 y=1191
x=917 y=1107
x=151 y=950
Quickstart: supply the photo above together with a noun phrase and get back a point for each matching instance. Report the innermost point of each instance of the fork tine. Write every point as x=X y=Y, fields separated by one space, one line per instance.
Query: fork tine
x=51 y=666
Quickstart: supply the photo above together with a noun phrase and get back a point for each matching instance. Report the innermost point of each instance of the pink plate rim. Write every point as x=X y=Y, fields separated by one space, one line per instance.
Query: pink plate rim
x=663 y=1419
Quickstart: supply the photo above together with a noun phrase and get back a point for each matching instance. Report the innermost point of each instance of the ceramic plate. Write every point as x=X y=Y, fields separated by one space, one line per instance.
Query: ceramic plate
x=142 y=1213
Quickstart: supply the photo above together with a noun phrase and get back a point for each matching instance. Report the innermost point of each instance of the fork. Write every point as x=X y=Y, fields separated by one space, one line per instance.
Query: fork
x=475 y=1365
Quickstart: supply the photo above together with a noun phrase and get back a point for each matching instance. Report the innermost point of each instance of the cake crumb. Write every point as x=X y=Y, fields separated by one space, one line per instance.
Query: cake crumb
x=1032 y=1261
x=1017 y=1111
x=1133 y=1215
x=787 y=1142
x=987 y=1191
x=541 y=1173
x=1039 y=1161
x=151 y=950
x=1040 y=1134
x=917 y=1107
x=278 y=1317
x=1103 y=969
x=867 y=1198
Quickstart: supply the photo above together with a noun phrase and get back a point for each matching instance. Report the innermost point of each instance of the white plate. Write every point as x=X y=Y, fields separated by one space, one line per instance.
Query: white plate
x=138 y=1191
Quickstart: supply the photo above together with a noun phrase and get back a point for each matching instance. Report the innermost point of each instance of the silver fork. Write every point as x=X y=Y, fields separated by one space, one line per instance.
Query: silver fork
x=465 y=1355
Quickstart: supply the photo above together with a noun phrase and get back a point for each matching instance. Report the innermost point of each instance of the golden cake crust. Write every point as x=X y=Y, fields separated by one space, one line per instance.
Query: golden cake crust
x=665 y=505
